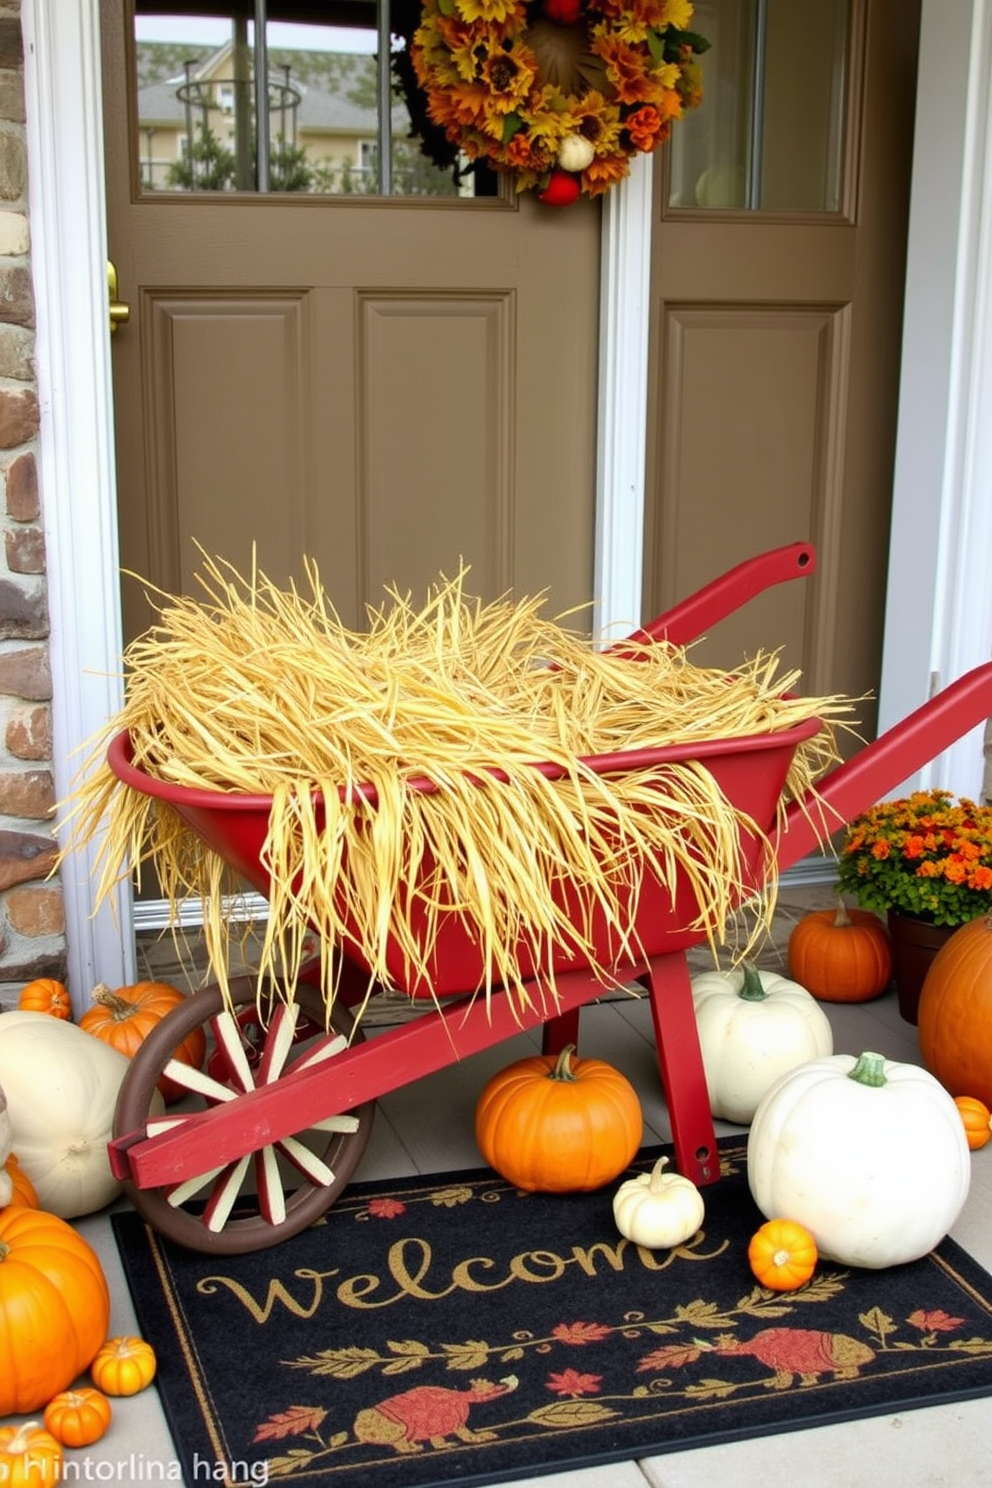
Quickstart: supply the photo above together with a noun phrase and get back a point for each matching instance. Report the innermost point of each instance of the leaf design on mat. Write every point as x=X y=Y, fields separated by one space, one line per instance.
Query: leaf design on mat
x=448 y=1198
x=292 y=1422
x=877 y=1322
x=340 y=1363
x=710 y=1389
x=570 y=1414
x=409 y=1355
x=281 y=1467
x=472 y=1354
x=671 y=1356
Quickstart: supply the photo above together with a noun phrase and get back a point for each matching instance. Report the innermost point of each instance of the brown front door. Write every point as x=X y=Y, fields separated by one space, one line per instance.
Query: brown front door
x=777 y=291
x=388 y=386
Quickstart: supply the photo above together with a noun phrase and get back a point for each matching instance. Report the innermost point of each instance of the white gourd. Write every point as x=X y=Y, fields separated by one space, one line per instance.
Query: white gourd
x=658 y=1209
x=754 y=1026
x=869 y=1154
x=61 y=1086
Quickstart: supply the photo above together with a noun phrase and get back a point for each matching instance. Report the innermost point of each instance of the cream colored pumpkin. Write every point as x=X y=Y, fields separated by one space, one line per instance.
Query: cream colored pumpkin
x=575 y=153
x=658 y=1209
x=754 y=1026
x=870 y=1155
x=61 y=1086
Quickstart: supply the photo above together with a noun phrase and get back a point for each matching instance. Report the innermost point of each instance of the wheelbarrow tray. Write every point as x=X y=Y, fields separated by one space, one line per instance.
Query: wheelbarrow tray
x=657 y=915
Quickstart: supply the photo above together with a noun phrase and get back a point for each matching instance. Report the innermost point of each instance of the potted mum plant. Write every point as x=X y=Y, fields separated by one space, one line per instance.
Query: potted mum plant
x=925 y=862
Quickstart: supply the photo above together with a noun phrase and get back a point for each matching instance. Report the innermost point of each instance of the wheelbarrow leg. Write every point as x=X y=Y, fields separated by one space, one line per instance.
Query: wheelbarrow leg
x=681 y=1063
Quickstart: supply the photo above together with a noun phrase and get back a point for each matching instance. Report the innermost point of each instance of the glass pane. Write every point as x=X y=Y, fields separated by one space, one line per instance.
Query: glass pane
x=206 y=121
x=768 y=135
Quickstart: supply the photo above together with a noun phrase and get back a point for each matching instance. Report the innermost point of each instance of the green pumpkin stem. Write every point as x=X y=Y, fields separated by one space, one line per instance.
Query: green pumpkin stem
x=563 y=1068
x=869 y=1070
x=751 y=988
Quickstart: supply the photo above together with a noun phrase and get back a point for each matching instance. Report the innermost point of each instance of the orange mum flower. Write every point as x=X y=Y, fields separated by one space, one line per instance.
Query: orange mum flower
x=644 y=126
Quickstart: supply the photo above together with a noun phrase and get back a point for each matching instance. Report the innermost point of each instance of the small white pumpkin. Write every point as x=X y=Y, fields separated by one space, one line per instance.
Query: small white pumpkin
x=870 y=1155
x=6 y=1148
x=575 y=153
x=658 y=1209
x=754 y=1026
x=61 y=1086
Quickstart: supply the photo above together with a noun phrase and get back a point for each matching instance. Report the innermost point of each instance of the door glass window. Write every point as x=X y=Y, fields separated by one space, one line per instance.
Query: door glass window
x=287 y=96
x=769 y=133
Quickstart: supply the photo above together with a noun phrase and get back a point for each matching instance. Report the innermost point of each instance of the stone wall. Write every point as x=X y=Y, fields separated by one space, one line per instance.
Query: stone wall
x=32 y=919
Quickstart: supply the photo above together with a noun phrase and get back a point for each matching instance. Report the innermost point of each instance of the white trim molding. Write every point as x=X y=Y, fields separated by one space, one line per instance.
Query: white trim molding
x=76 y=454
x=939 y=602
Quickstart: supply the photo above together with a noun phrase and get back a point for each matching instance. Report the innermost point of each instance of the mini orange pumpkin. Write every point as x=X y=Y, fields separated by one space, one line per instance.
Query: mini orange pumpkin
x=557 y=1125
x=78 y=1418
x=977 y=1120
x=123 y=1366
x=955 y=1016
x=45 y=995
x=30 y=1457
x=124 y=1019
x=782 y=1255
x=24 y=1191
x=841 y=955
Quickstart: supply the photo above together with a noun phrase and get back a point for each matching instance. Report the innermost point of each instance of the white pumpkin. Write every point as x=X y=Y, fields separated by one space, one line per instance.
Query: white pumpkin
x=754 y=1026
x=658 y=1209
x=870 y=1155
x=61 y=1086
x=575 y=153
x=6 y=1148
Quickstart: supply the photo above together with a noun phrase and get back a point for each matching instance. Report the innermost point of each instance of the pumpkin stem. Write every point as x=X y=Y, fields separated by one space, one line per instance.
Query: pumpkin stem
x=842 y=919
x=4 y=1250
x=751 y=988
x=118 y=1007
x=563 y=1067
x=658 y=1182
x=869 y=1070
x=21 y=1440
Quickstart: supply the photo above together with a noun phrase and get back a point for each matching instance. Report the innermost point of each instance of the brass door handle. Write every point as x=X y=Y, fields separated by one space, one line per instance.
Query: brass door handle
x=120 y=313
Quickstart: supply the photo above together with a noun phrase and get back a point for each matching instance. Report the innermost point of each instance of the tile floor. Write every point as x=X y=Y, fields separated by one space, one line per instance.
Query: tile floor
x=428 y=1128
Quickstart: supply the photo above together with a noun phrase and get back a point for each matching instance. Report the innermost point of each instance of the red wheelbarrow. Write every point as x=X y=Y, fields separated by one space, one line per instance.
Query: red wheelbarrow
x=275 y=1126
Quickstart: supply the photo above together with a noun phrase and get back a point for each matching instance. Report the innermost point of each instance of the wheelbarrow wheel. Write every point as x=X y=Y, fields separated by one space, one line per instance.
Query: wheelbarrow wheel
x=272 y=1194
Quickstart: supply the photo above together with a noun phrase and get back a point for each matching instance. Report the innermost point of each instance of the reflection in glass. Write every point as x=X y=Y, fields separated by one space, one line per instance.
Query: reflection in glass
x=306 y=119
x=768 y=135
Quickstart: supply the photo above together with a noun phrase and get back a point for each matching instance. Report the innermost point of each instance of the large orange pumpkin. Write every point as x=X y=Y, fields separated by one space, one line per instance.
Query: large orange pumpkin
x=841 y=955
x=955 y=1017
x=557 y=1124
x=54 y=1307
x=124 y=1019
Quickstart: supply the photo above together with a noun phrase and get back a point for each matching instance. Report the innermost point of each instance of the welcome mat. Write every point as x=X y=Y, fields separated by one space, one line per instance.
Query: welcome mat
x=452 y=1329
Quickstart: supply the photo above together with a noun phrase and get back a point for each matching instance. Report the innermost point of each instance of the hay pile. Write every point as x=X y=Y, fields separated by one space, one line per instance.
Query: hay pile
x=262 y=690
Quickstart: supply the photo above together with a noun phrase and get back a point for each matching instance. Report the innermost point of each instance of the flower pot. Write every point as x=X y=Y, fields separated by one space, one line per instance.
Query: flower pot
x=914 y=945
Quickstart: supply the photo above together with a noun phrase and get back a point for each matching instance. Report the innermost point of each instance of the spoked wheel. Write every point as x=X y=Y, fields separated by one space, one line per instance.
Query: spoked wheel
x=265 y=1196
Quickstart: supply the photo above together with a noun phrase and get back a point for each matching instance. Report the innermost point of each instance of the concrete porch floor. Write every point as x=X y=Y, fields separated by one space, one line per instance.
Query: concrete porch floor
x=429 y=1128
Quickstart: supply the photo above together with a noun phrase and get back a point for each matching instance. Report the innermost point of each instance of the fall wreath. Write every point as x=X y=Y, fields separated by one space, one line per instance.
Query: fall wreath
x=562 y=93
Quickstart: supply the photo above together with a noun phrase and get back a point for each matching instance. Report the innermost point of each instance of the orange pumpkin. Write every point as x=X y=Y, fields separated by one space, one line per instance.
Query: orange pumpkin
x=54 y=1307
x=782 y=1255
x=45 y=995
x=977 y=1120
x=841 y=955
x=123 y=1366
x=955 y=1016
x=557 y=1124
x=78 y=1418
x=30 y=1457
x=24 y=1193
x=124 y=1019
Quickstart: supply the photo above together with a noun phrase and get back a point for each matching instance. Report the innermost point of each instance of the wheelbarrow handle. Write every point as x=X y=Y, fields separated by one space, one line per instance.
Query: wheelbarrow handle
x=693 y=616
x=878 y=768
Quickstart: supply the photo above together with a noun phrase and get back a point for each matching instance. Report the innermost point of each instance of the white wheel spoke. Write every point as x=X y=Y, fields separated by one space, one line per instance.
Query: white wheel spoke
x=226 y=1190
x=190 y=1186
x=278 y=1042
x=307 y=1162
x=271 y=1198
x=228 y=1036
x=199 y=1081
x=325 y=1050
x=335 y=1124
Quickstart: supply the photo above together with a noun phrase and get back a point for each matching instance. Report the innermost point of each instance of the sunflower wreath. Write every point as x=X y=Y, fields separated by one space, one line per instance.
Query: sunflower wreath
x=561 y=93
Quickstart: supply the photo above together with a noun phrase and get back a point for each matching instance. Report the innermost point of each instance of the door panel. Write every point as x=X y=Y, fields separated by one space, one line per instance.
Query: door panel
x=774 y=379
x=387 y=386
